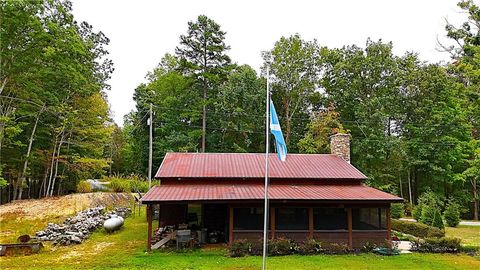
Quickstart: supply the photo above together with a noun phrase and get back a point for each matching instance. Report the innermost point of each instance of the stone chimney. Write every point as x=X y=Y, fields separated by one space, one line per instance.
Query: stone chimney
x=340 y=145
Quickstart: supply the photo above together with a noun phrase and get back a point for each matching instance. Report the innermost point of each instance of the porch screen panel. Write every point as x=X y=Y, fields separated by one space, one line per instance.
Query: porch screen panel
x=291 y=218
x=369 y=219
x=329 y=219
x=248 y=218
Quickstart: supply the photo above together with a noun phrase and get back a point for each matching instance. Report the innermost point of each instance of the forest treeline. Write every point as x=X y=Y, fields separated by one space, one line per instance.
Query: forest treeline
x=415 y=125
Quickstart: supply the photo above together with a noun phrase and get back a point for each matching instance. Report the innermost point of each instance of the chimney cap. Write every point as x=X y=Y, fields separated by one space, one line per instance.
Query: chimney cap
x=341 y=134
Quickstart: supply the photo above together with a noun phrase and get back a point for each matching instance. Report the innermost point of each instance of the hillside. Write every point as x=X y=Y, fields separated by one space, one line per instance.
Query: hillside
x=55 y=209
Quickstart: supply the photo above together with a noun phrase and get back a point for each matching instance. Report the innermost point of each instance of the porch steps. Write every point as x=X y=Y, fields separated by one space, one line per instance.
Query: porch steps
x=164 y=240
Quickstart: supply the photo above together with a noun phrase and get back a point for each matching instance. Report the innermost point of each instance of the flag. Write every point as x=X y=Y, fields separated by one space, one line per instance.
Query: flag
x=277 y=132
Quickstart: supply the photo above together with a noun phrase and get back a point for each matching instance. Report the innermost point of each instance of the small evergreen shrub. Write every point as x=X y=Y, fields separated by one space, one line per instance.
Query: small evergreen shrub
x=416 y=229
x=397 y=210
x=431 y=216
x=239 y=248
x=437 y=245
x=452 y=214
x=84 y=187
x=417 y=212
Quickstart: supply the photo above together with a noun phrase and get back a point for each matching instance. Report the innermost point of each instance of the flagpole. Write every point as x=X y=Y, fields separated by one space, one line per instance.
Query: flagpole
x=265 y=211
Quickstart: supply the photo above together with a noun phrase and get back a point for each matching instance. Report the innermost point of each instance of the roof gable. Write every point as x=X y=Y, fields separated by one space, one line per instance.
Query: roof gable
x=252 y=165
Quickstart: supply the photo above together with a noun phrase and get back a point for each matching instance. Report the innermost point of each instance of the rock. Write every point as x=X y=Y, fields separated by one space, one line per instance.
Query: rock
x=79 y=227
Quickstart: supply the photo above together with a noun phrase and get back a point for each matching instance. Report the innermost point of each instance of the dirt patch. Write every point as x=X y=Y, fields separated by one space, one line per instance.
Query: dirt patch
x=62 y=206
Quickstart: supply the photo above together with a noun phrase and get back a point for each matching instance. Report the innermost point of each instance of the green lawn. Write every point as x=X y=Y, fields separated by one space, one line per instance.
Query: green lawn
x=126 y=249
x=470 y=235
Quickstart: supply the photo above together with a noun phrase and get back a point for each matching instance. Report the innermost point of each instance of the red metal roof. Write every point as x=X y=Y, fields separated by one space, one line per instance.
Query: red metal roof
x=207 y=192
x=252 y=165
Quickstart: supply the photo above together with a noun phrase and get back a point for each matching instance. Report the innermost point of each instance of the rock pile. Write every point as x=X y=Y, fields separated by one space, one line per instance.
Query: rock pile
x=76 y=229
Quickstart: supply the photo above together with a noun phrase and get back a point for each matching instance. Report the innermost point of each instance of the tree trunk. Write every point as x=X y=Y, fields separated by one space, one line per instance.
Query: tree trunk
x=42 y=186
x=475 y=198
x=204 y=117
x=29 y=149
x=56 y=165
x=52 y=163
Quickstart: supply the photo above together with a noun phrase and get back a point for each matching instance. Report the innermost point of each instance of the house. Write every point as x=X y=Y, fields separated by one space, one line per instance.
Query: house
x=319 y=196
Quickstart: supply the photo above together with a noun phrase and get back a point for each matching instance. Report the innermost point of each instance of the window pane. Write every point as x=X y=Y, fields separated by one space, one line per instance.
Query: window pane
x=329 y=219
x=248 y=218
x=368 y=218
x=291 y=218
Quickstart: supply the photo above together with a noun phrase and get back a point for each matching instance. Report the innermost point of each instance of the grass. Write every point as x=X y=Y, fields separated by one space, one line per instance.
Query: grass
x=125 y=249
x=470 y=235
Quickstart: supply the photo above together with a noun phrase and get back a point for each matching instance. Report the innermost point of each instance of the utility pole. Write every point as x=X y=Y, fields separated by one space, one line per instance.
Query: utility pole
x=150 y=150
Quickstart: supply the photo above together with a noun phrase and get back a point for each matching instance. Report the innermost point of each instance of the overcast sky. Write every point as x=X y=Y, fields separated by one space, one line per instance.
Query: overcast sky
x=142 y=31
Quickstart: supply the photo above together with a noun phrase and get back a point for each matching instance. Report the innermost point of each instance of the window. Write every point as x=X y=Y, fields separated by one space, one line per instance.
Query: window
x=248 y=218
x=329 y=219
x=368 y=218
x=291 y=219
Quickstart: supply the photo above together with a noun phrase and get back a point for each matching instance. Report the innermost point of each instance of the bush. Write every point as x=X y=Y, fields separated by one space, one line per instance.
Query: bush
x=396 y=210
x=138 y=186
x=84 y=187
x=416 y=229
x=452 y=214
x=428 y=198
x=431 y=216
x=281 y=246
x=120 y=185
x=437 y=245
x=310 y=247
x=369 y=247
x=239 y=248
x=336 y=248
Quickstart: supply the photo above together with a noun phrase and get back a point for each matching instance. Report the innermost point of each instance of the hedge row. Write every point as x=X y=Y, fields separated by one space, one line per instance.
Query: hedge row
x=416 y=229
x=437 y=245
x=284 y=246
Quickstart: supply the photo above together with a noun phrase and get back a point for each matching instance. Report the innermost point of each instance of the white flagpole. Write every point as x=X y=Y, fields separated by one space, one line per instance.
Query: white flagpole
x=265 y=211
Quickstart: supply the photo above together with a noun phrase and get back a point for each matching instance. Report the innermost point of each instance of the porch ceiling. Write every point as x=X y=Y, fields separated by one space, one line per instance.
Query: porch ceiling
x=222 y=192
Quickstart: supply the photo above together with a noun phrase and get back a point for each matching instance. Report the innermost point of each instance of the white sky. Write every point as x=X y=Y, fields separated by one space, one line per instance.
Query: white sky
x=141 y=32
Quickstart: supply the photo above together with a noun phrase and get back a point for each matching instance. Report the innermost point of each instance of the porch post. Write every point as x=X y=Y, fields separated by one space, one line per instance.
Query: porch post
x=350 y=233
x=310 y=222
x=149 y=227
x=389 y=226
x=230 y=225
x=272 y=221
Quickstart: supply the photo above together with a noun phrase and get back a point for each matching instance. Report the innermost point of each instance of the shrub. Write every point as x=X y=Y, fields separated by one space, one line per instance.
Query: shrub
x=256 y=248
x=396 y=210
x=427 y=199
x=416 y=229
x=408 y=208
x=452 y=214
x=369 y=247
x=137 y=185
x=437 y=245
x=336 y=248
x=239 y=248
x=120 y=185
x=84 y=187
x=431 y=216
x=417 y=212
x=281 y=246
x=310 y=247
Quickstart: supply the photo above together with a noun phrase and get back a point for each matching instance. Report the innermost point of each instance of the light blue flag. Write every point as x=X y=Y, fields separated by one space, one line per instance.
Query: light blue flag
x=277 y=132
